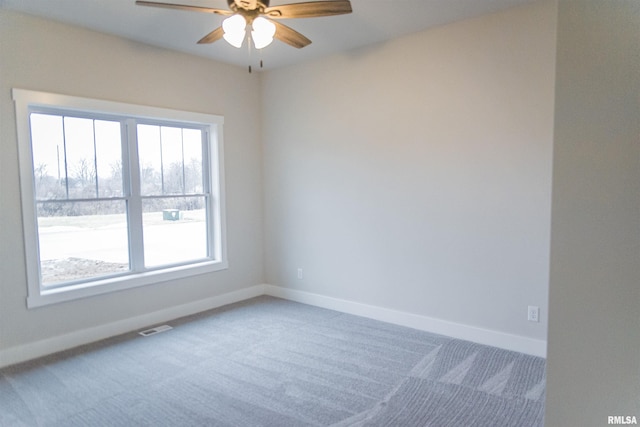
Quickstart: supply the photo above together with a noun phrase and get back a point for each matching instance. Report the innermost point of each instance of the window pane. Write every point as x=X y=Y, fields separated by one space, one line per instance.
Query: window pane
x=170 y=160
x=84 y=155
x=150 y=156
x=80 y=157
x=47 y=143
x=109 y=158
x=175 y=230
x=193 y=161
x=82 y=240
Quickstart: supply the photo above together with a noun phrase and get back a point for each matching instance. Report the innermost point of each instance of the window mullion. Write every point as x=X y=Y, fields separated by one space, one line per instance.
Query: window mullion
x=212 y=249
x=134 y=199
x=206 y=160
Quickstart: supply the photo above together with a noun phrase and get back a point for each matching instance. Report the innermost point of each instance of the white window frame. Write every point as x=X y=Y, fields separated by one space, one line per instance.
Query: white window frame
x=25 y=102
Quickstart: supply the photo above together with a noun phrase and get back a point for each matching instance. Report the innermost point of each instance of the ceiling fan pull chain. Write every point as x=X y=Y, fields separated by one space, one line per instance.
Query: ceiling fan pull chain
x=249 y=50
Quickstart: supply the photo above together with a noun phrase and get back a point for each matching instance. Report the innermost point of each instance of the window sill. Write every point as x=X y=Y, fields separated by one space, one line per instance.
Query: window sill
x=114 y=284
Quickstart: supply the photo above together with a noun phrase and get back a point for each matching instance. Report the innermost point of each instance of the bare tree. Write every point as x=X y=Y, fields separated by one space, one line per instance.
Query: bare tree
x=84 y=172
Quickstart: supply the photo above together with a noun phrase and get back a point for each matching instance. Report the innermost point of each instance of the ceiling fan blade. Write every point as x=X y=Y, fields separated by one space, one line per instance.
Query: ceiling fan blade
x=184 y=7
x=290 y=36
x=309 y=9
x=213 y=36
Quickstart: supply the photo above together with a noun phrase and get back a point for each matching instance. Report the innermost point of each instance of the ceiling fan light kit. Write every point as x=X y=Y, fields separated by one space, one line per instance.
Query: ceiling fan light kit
x=263 y=32
x=262 y=19
x=234 y=30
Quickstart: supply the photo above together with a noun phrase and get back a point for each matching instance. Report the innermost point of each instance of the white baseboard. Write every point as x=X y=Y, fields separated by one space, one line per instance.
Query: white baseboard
x=455 y=330
x=23 y=353
x=51 y=345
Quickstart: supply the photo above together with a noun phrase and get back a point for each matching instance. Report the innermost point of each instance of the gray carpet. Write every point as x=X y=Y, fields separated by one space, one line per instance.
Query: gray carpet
x=270 y=362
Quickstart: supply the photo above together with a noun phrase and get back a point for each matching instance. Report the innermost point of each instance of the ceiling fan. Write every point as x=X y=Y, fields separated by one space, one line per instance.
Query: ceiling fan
x=262 y=19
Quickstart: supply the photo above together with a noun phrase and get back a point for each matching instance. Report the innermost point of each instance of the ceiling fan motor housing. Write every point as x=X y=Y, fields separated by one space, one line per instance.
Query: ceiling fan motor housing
x=247 y=4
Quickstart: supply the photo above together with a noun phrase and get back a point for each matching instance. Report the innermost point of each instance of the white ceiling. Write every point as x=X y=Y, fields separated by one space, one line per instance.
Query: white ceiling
x=372 y=21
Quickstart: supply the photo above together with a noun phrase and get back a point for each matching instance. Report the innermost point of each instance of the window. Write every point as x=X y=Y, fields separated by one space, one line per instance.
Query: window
x=116 y=195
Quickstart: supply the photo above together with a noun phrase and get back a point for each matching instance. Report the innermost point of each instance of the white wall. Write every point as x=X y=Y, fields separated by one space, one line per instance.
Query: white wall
x=593 y=368
x=415 y=175
x=42 y=55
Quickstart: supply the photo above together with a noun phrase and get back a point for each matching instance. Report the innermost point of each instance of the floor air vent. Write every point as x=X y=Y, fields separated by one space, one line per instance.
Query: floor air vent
x=155 y=330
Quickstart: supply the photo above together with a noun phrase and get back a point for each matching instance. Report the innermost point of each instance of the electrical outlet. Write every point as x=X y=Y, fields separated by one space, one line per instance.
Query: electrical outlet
x=533 y=313
x=300 y=275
